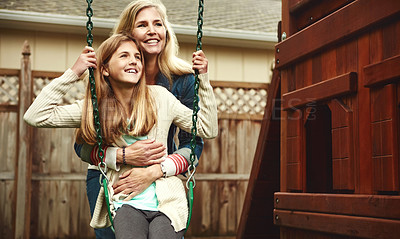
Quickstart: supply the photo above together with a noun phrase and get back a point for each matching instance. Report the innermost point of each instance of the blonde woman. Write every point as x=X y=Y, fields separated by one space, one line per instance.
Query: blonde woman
x=147 y=21
x=129 y=111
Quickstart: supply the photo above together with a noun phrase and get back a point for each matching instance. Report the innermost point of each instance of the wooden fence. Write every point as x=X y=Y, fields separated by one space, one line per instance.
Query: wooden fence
x=42 y=182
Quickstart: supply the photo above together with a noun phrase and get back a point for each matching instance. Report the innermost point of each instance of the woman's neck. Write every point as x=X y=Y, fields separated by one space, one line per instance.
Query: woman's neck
x=151 y=69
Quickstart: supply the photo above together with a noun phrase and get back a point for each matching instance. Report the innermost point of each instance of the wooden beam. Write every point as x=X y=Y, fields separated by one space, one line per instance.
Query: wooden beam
x=360 y=227
x=8 y=108
x=340 y=85
x=9 y=72
x=348 y=204
x=298 y=6
x=46 y=74
x=269 y=126
x=82 y=177
x=381 y=73
x=233 y=84
x=237 y=116
x=334 y=28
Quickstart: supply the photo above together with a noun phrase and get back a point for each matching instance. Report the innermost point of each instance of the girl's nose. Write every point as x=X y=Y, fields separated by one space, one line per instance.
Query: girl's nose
x=133 y=61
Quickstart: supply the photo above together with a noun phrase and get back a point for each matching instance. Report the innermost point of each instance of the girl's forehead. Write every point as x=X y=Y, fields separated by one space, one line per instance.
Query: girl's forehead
x=128 y=46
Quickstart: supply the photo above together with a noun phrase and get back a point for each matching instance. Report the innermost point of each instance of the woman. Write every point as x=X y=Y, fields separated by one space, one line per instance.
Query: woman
x=147 y=21
x=129 y=110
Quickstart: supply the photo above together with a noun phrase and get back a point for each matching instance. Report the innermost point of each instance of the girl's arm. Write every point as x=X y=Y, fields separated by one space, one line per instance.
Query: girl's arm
x=45 y=110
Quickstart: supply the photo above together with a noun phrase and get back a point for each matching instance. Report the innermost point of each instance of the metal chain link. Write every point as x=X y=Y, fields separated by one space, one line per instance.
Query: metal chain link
x=96 y=115
x=192 y=168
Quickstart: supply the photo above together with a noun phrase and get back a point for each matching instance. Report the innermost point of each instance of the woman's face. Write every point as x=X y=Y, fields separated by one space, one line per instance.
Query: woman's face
x=125 y=65
x=149 y=31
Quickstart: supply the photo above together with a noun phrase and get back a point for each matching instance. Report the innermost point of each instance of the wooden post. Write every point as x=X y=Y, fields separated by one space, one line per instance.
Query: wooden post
x=23 y=170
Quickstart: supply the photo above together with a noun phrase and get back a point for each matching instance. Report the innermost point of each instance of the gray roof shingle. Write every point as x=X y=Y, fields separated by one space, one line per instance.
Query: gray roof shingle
x=243 y=15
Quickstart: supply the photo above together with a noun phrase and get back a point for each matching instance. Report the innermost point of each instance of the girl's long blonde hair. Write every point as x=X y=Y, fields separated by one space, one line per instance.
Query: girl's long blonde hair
x=113 y=118
x=168 y=61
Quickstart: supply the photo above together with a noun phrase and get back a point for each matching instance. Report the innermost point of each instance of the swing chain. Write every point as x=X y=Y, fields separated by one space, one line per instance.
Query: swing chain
x=96 y=115
x=89 y=23
x=192 y=168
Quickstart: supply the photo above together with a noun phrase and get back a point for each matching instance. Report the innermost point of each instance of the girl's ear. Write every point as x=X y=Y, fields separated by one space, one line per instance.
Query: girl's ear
x=105 y=72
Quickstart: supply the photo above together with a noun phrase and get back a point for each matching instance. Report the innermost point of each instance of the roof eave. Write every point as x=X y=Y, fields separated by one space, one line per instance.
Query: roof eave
x=77 y=24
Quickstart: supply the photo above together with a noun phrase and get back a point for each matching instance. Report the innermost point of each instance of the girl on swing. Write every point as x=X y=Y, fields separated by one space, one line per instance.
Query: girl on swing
x=129 y=111
x=147 y=21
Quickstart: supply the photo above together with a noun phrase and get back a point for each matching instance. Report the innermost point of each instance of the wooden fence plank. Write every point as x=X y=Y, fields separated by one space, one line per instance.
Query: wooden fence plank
x=24 y=162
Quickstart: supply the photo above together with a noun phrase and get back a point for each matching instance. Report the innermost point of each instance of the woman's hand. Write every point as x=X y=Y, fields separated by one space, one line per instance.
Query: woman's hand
x=142 y=153
x=85 y=60
x=136 y=180
x=200 y=62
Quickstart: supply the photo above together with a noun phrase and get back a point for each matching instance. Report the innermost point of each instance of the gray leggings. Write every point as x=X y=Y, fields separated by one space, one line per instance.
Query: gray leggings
x=130 y=222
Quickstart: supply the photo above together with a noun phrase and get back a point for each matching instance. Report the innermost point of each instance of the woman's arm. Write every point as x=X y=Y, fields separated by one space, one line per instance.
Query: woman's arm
x=207 y=118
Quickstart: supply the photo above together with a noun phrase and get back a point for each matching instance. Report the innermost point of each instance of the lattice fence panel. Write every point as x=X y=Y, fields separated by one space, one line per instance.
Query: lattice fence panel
x=251 y=101
x=9 y=86
x=77 y=92
x=240 y=100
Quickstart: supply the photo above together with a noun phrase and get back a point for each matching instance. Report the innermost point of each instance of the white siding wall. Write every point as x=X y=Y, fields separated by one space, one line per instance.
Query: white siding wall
x=58 y=51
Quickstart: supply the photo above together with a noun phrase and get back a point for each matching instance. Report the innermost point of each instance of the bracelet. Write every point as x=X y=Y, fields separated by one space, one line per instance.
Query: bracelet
x=164 y=171
x=123 y=155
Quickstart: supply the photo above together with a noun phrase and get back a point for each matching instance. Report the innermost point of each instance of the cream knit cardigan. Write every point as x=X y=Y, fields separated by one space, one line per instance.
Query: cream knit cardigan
x=46 y=113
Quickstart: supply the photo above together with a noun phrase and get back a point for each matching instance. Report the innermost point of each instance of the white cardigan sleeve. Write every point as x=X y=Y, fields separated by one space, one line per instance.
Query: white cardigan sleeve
x=45 y=112
x=207 y=117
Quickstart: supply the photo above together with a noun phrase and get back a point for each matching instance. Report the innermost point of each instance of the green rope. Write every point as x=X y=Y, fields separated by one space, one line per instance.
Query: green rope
x=96 y=115
x=191 y=182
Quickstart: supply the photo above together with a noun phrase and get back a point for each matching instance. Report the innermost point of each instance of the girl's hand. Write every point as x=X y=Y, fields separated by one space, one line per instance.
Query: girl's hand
x=85 y=60
x=200 y=62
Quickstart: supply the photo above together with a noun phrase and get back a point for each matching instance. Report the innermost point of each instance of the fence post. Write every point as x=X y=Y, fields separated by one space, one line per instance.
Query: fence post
x=24 y=158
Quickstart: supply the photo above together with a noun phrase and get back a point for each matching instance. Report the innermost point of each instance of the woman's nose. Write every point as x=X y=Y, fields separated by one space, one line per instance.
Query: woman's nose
x=151 y=29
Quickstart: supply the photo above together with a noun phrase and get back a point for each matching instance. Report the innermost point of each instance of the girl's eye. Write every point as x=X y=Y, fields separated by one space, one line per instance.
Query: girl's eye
x=140 y=25
x=159 y=24
x=138 y=58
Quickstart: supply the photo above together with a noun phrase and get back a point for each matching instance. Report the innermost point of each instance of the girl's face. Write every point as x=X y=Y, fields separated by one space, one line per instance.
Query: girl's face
x=149 y=31
x=125 y=65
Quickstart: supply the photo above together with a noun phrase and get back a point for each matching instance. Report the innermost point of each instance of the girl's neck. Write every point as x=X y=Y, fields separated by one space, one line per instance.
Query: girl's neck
x=124 y=95
x=151 y=69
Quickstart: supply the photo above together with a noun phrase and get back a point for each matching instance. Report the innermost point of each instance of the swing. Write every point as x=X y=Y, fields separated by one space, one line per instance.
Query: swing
x=191 y=182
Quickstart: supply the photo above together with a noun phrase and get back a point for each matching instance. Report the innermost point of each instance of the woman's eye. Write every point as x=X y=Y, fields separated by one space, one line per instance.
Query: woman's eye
x=159 y=24
x=139 y=58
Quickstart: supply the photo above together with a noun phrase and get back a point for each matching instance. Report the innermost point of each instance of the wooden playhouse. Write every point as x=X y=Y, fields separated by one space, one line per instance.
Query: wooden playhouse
x=327 y=159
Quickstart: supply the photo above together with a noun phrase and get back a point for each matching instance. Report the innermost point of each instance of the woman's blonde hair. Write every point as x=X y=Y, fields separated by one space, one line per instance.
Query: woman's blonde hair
x=113 y=118
x=168 y=61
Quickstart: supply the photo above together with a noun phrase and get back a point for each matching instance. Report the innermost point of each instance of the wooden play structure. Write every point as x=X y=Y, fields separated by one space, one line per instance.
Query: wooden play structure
x=327 y=159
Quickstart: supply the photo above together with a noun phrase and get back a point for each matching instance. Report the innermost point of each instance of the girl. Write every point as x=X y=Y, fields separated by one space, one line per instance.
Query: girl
x=129 y=110
x=147 y=21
